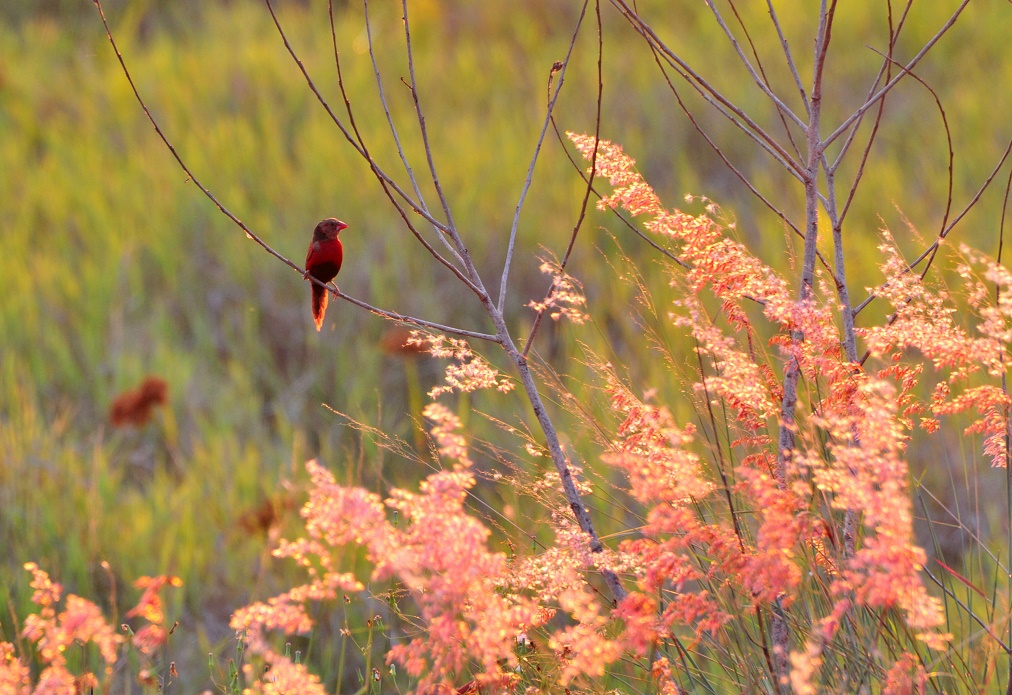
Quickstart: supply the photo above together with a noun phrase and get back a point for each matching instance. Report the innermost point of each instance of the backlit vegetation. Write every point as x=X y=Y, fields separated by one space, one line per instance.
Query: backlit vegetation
x=668 y=450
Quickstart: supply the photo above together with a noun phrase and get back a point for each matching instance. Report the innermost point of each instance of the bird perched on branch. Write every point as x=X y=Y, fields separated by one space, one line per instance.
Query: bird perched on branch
x=323 y=262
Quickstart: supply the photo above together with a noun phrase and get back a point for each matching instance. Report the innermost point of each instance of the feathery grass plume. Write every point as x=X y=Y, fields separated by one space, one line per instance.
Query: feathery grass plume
x=866 y=470
x=906 y=677
x=15 y=676
x=325 y=514
x=474 y=607
x=282 y=677
x=924 y=321
x=669 y=479
x=81 y=621
x=565 y=297
x=153 y=636
x=286 y=614
x=582 y=649
x=774 y=529
x=470 y=371
x=736 y=378
x=666 y=683
x=439 y=556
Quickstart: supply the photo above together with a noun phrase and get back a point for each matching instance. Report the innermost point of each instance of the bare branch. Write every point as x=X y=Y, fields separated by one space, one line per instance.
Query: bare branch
x=348 y=134
x=189 y=174
x=720 y=153
x=386 y=108
x=1004 y=210
x=727 y=162
x=402 y=318
x=894 y=81
x=589 y=180
x=472 y=278
x=381 y=92
x=762 y=72
x=932 y=250
x=948 y=139
x=393 y=131
x=741 y=120
x=340 y=77
x=421 y=123
x=537 y=152
x=615 y=211
x=884 y=70
x=788 y=56
x=836 y=218
x=249 y=233
x=782 y=108
x=865 y=153
x=385 y=179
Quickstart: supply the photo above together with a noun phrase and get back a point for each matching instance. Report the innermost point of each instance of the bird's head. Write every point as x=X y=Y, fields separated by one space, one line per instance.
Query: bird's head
x=328 y=229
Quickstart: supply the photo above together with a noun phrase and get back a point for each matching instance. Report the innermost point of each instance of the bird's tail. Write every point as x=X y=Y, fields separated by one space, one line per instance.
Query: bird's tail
x=319 y=305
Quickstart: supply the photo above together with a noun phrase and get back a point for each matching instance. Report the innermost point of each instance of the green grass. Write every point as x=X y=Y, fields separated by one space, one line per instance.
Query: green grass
x=114 y=266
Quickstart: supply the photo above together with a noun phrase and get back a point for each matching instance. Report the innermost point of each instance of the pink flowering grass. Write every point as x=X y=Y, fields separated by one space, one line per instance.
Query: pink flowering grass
x=728 y=537
x=719 y=536
x=68 y=643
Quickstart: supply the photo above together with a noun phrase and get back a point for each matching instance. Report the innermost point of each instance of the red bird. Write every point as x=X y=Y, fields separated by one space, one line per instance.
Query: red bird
x=323 y=262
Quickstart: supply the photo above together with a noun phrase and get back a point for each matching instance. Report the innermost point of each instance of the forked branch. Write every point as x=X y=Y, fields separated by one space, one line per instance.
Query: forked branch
x=391 y=315
x=467 y=273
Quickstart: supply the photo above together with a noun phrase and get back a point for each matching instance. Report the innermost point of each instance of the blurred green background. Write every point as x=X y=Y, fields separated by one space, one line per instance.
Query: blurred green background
x=114 y=267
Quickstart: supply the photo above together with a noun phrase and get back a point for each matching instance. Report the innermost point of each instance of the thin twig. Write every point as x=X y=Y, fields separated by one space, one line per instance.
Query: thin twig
x=884 y=70
x=554 y=96
x=424 y=131
x=836 y=217
x=720 y=153
x=615 y=211
x=967 y=610
x=189 y=174
x=760 y=82
x=381 y=178
x=788 y=56
x=762 y=73
x=842 y=128
x=472 y=278
x=932 y=249
x=730 y=165
x=390 y=123
x=865 y=154
x=386 y=108
x=249 y=233
x=404 y=318
x=586 y=193
x=1004 y=390
x=414 y=205
x=714 y=97
x=948 y=138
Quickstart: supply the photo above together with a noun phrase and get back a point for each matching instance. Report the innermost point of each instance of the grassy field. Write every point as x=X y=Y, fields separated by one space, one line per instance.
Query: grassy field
x=114 y=267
